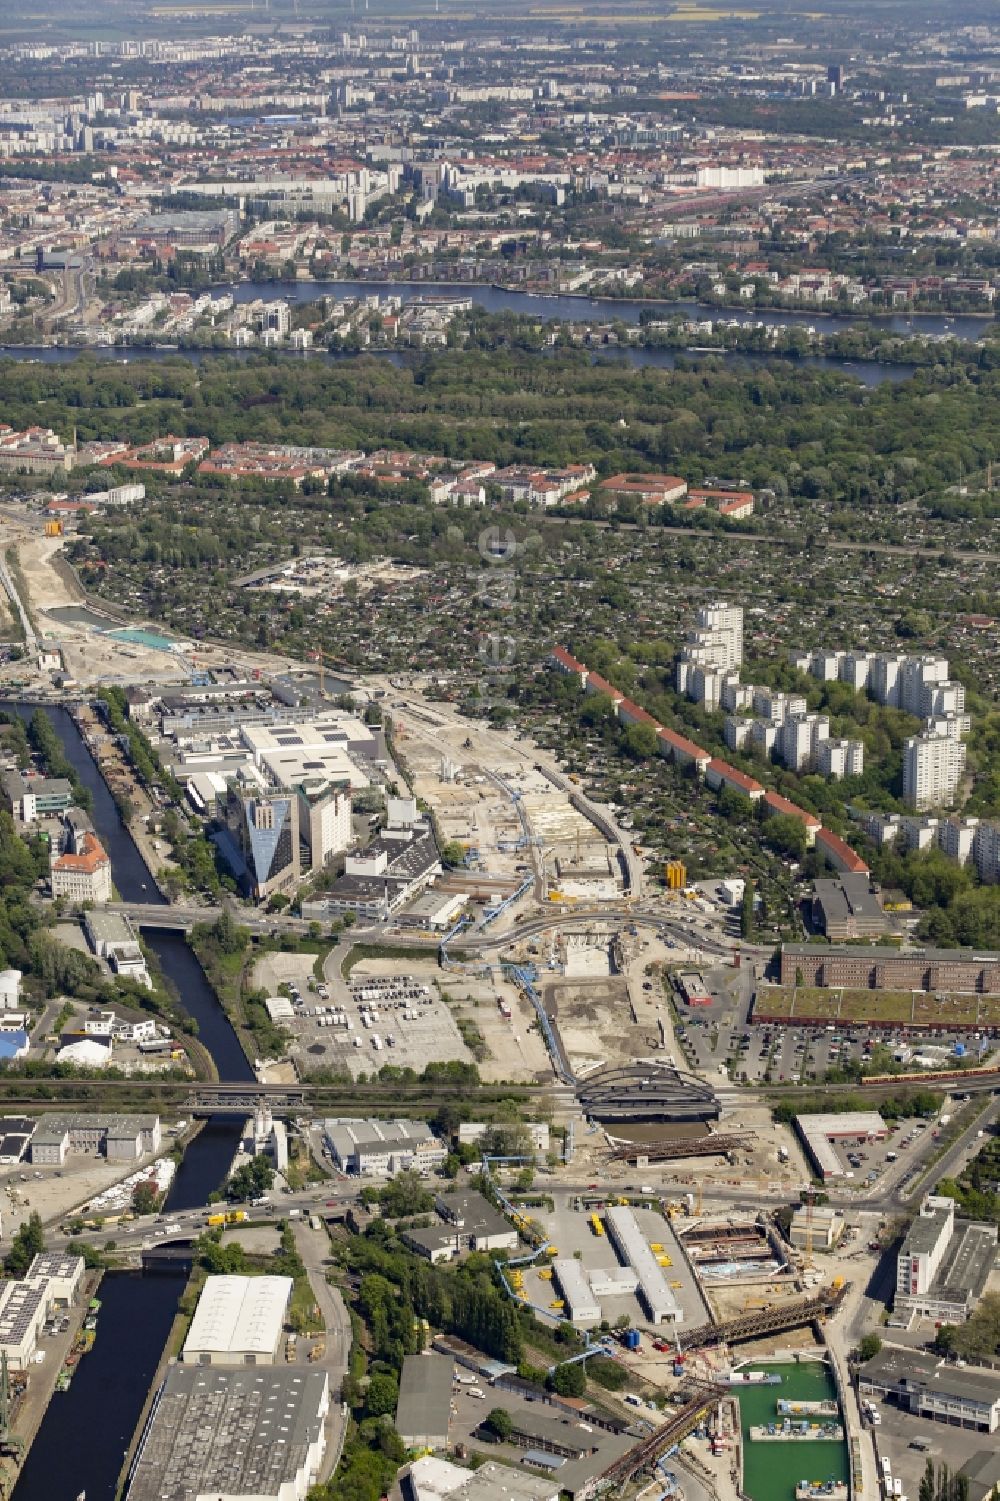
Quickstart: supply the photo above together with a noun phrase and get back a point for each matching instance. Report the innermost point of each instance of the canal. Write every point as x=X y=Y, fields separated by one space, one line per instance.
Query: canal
x=86 y=1431
x=771 y=1470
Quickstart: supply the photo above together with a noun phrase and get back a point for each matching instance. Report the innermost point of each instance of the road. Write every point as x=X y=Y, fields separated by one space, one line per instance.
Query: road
x=313 y=1247
x=30 y=639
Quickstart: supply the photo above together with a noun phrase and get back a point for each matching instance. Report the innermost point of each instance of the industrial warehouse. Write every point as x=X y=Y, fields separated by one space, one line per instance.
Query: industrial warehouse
x=232 y=1433
x=238 y=1321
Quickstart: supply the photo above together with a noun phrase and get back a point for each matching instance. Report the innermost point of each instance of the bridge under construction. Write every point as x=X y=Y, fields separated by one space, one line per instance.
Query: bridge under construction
x=700 y=1398
x=671 y=1150
x=646 y=1091
x=768 y=1321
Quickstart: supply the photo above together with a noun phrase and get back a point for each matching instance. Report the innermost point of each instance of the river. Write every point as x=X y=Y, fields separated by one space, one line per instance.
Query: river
x=85 y=1432
x=601 y=310
x=867 y=372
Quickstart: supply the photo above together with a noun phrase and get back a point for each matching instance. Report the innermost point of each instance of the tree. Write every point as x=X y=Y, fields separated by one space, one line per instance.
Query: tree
x=868 y=1346
x=405 y=1194
x=927 y=1489
x=383 y=1394
x=569 y=1380
x=499 y=1422
x=641 y=741
x=29 y=1242
x=251 y=1180
x=452 y=853
x=145 y=1198
x=747 y=911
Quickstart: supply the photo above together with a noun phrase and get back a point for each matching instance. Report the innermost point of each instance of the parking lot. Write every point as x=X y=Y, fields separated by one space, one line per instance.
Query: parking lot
x=374 y=1019
x=719 y=1038
x=899 y=1431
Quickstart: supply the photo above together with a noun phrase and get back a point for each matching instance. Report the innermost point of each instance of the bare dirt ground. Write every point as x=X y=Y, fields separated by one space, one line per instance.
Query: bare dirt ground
x=595 y=1022
x=88 y=655
x=49 y=584
x=58 y=1191
x=283 y=969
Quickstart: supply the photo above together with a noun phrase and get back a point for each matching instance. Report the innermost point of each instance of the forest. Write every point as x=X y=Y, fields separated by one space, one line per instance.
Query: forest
x=813 y=432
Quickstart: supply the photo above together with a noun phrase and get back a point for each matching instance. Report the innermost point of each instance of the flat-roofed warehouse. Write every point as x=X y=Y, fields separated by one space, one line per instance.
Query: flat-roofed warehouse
x=633 y=1247
x=424 y=1407
x=241 y=1435
x=582 y=1306
x=238 y=1321
x=819 y=1132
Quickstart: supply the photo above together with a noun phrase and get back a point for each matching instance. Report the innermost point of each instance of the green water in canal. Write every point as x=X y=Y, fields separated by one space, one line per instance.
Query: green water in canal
x=771 y=1471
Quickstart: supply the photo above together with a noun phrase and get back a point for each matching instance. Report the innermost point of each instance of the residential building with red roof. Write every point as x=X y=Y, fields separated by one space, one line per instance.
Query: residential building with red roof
x=596 y=684
x=651 y=489
x=563 y=661
x=720 y=774
x=83 y=874
x=683 y=751
x=774 y=803
x=839 y=853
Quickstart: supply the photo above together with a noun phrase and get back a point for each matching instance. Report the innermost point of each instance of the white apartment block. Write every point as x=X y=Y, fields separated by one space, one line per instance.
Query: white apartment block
x=737 y=731
x=725 y=622
x=799 y=739
x=840 y=758
x=986 y=852
x=945 y=699
x=856 y=670
x=921 y=833
x=954 y=726
x=735 y=696
x=711 y=653
x=777 y=707
x=932 y=769
x=825 y=665
x=957 y=838
x=923 y=1249
x=763 y=737
x=967 y=841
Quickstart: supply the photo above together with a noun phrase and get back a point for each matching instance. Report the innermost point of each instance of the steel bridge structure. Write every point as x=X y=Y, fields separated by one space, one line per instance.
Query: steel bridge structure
x=641 y=1091
x=680 y=1146
x=646 y=1454
x=767 y=1321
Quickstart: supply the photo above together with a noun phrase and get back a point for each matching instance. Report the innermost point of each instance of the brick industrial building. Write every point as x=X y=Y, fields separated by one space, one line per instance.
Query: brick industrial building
x=965 y=970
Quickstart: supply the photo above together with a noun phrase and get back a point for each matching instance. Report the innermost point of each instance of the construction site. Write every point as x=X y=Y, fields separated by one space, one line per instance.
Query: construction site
x=490 y=794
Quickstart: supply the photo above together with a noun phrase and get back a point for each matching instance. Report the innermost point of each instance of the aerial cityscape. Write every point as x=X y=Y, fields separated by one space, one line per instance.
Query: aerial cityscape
x=499 y=751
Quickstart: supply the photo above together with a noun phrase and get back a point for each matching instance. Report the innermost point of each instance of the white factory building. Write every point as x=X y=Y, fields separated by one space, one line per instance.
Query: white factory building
x=52 y=1281
x=819 y=1132
x=238 y=1321
x=630 y=1243
x=121 y=1138
x=576 y=1292
x=292 y=753
x=373 y=1148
